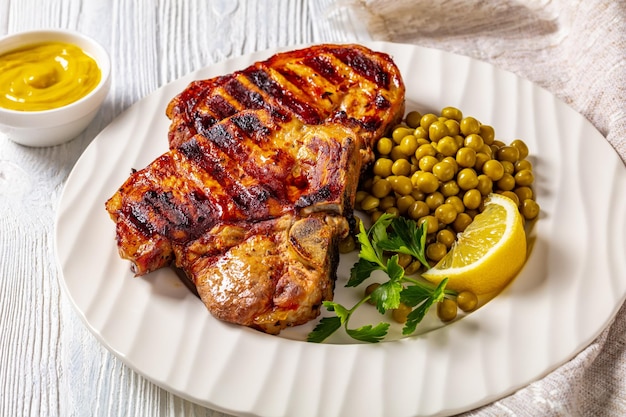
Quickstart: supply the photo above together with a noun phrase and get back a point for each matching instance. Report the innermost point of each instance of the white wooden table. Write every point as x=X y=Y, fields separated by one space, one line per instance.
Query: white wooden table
x=50 y=364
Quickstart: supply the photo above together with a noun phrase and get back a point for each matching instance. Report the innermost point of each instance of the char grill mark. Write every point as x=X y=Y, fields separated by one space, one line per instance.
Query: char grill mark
x=323 y=66
x=261 y=79
x=240 y=195
x=364 y=66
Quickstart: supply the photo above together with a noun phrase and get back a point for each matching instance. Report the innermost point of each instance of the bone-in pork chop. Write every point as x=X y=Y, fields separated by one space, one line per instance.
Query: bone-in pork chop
x=251 y=202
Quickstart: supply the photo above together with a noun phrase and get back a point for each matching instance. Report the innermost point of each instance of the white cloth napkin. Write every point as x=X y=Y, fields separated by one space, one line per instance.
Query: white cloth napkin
x=577 y=50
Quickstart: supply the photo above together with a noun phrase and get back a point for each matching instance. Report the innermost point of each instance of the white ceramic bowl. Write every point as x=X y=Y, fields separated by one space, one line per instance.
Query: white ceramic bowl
x=58 y=125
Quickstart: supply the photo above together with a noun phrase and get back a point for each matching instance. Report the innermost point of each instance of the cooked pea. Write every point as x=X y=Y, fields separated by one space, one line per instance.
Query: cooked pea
x=467 y=301
x=521 y=147
x=370 y=289
x=421 y=133
x=506 y=183
x=529 y=209
x=425 y=149
x=382 y=167
x=508 y=166
x=485 y=185
x=408 y=145
x=446 y=237
x=418 y=210
x=401 y=167
x=396 y=153
x=426 y=163
x=462 y=221
x=437 y=130
x=400 y=132
x=404 y=202
x=453 y=127
x=451 y=161
x=466 y=157
x=467 y=179
x=474 y=141
x=456 y=202
x=375 y=215
x=384 y=145
x=347 y=244
x=449 y=188
x=386 y=202
x=413 y=268
x=431 y=222
x=413 y=119
x=486 y=149
x=402 y=185
x=381 y=188
x=523 y=164
x=452 y=113
x=393 y=211
x=435 y=251
x=481 y=158
x=507 y=153
x=447 y=146
x=469 y=125
x=417 y=194
x=460 y=141
x=447 y=309
x=524 y=193
x=487 y=133
x=401 y=313
x=493 y=169
x=434 y=200
x=404 y=259
x=370 y=203
x=427 y=119
x=360 y=195
x=426 y=182
x=445 y=213
x=524 y=178
x=472 y=199
x=443 y=171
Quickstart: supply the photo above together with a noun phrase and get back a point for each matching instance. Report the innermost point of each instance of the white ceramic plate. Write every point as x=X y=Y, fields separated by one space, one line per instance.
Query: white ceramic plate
x=569 y=290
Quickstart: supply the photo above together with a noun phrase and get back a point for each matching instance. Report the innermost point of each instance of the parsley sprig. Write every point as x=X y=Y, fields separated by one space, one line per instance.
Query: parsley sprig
x=405 y=237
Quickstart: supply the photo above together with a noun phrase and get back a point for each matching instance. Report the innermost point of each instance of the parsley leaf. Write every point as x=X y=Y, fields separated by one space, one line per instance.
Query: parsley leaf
x=376 y=244
x=407 y=238
x=368 y=333
x=325 y=327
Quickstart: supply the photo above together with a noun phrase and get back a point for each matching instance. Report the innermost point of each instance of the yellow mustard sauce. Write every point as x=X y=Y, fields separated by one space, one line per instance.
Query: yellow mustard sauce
x=45 y=76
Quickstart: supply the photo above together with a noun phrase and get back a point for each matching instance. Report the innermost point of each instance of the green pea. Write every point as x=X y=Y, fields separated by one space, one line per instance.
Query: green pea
x=493 y=169
x=381 y=188
x=413 y=119
x=370 y=203
x=443 y=171
x=466 y=157
x=524 y=178
x=467 y=179
x=382 y=167
x=452 y=113
x=446 y=213
x=384 y=146
x=469 y=125
x=408 y=145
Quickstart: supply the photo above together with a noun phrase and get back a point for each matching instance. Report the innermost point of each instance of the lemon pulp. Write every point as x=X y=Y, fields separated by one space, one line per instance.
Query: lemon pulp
x=488 y=254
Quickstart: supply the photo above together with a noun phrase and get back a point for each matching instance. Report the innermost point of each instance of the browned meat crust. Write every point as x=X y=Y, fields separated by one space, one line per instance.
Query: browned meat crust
x=260 y=180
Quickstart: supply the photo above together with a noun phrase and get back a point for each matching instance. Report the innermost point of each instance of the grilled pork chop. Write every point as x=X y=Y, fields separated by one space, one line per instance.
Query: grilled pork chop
x=347 y=84
x=251 y=203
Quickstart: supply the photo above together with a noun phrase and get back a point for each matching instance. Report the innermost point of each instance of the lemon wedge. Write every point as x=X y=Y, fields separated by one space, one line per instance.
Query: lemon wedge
x=488 y=253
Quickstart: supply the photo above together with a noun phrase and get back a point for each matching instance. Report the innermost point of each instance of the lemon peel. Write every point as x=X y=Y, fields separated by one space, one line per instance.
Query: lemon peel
x=488 y=254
